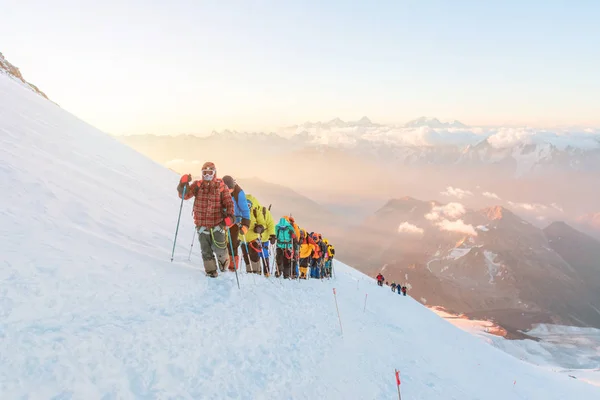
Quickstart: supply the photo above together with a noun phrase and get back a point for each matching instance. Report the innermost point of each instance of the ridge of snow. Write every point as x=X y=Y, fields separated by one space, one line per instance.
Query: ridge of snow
x=92 y=308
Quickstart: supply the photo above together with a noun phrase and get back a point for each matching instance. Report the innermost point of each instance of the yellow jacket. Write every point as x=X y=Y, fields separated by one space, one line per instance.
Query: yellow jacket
x=269 y=224
x=256 y=218
x=307 y=246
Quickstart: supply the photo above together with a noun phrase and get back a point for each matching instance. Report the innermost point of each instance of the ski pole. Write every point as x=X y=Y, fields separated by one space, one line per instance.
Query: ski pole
x=192 y=245
x=178 y=219
x=233 y=258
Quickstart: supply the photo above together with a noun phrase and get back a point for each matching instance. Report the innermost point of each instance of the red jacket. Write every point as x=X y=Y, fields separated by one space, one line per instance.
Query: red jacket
x=212 y=204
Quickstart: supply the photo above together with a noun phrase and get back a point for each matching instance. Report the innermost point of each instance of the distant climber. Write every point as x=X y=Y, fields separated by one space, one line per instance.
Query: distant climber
x=213 y=212
x=404 y=290
x=380 y=279
x=315 y=266
x=307 y=250
x=328 y=259
x=393 y=286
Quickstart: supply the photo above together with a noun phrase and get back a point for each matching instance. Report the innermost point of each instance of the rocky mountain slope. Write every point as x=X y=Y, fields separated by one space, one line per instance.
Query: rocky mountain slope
x=12 y=71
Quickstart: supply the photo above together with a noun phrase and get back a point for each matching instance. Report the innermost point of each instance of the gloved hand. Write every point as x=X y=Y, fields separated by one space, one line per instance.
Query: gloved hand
x=228 y=221
x=244 y=229
x=272 y=239
x=259 y=229
x=184 y=181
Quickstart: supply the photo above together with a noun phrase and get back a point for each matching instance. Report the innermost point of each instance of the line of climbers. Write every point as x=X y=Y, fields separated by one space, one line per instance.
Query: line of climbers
x=401 y=288
x=227 y=218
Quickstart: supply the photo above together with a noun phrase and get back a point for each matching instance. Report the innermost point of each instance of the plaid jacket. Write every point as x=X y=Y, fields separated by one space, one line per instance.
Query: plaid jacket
x=212 y=204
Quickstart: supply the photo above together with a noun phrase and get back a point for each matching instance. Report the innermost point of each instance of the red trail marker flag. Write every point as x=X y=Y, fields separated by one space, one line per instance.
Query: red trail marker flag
x=398 y=383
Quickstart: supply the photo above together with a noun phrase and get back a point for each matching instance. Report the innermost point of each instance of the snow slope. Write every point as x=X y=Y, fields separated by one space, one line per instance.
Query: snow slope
x=91 y=307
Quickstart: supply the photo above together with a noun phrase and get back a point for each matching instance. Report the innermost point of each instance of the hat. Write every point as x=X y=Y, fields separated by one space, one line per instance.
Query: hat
x=209 y=165
x=229 y=181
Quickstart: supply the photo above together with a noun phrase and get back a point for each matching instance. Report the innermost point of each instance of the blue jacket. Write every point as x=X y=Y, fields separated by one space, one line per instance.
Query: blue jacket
x=240 y=205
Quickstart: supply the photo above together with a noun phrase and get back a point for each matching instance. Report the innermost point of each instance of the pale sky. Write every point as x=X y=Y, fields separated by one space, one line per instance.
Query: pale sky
x=184 y=66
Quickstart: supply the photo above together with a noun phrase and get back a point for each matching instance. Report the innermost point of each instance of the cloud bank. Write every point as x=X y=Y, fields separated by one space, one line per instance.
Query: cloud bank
x=407 y=227
x=456 y=192
x=450 y=210
x=457 y=226
x=491 y=195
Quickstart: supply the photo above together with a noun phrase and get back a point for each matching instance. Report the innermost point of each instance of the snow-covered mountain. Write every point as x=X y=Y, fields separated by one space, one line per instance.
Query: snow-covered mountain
x=13 y=72
x=434 y=123
x=486 y=262
x=517 y=152
x=92 y=308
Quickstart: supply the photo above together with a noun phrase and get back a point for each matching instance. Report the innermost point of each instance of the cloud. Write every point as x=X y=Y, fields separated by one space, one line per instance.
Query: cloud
x=457 y=226
x=197 y=162
x=406 y=227
x=450 y=210
x=456 y=192
x=508 y=137
x=491 y=195
x=557 y=207
x=532 y=207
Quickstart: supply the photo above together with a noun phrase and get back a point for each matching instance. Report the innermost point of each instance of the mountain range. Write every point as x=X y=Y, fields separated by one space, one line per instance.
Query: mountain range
x=548 y=175
x=486 y=263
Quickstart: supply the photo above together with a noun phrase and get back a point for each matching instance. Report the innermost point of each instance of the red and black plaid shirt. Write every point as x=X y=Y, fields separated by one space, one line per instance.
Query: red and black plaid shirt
x=212 y=204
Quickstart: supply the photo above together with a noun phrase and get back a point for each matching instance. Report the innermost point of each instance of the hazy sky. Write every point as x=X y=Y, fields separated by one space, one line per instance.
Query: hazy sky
x=137 y=66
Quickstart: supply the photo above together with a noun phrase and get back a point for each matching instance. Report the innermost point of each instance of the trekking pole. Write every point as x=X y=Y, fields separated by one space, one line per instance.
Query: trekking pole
x=178 y=219
x=232 y=257
x=192 y=245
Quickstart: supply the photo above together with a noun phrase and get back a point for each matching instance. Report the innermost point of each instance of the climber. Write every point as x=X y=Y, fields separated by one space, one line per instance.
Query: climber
x=213 y=215
x=242 y=220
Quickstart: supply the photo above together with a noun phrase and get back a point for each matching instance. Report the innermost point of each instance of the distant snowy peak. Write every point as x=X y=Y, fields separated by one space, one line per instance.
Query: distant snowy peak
x=241 y=136
x=338 y=123
x=433 y=123
x=14 y=73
